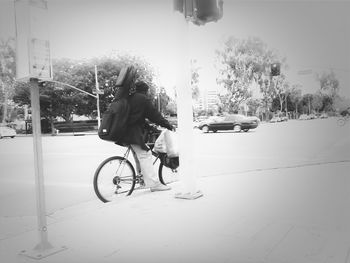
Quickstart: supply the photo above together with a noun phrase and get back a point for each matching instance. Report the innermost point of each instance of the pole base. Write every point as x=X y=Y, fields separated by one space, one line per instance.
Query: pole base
x=189 y=195
x=41 y=253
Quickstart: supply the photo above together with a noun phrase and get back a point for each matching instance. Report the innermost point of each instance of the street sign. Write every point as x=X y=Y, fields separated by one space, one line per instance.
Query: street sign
x=39 y=59
x=32 y=40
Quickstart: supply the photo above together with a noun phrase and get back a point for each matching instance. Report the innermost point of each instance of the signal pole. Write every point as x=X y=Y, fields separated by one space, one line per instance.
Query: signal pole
x=98 y=92
x=185 y=118
x=199 y=13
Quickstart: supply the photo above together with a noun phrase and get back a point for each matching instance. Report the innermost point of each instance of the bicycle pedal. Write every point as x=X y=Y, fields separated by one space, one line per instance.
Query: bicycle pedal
x=141 y=181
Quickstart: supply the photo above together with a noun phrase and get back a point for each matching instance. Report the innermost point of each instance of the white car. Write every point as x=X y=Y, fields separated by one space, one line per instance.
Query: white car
x=304 y=117
x=7 y=132
x=276 y=119
x=324 y=116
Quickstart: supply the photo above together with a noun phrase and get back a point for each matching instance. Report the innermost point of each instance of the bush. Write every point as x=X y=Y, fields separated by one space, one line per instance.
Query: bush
x=76 y=126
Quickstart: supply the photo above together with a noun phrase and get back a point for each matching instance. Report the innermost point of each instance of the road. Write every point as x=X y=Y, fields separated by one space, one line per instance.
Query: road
x=70 y=161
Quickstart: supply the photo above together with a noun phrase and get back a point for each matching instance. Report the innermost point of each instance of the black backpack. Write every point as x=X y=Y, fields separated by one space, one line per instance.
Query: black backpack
x=114 y=121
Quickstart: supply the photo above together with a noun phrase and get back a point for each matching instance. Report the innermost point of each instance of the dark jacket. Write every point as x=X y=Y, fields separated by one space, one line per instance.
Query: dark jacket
x=141 y=108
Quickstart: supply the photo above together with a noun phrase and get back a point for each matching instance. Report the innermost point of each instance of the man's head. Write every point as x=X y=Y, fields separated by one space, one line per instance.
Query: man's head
x=141 y=87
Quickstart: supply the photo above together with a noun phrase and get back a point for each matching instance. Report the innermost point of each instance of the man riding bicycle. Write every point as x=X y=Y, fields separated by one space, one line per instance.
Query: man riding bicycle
x=141 y=108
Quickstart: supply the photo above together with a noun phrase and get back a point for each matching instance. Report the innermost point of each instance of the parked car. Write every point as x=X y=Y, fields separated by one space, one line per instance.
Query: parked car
x=235 y=122
x=275 y=119
x=253 y=118
x=198 y=120
x=6 y=131
x=346 y=112
x=324 y=116
x=284 y=118
x=304 y=117
x=312 y=116
x=279 y=118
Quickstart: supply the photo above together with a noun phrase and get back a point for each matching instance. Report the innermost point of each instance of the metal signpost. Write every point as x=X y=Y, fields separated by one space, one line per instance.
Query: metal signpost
x=34 y=64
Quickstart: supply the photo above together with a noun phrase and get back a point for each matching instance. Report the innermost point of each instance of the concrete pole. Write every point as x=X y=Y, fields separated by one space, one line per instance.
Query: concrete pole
x=185 y=116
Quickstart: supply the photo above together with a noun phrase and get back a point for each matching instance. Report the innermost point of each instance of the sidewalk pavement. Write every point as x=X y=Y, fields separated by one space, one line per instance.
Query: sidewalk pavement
x=292 y=215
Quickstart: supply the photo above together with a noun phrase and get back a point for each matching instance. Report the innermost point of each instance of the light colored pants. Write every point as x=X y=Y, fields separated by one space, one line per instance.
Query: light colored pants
x=144 y=164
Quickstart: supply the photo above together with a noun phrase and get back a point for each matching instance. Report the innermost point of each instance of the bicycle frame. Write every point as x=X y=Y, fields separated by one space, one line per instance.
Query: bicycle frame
x=117 y=179
x=139 y=177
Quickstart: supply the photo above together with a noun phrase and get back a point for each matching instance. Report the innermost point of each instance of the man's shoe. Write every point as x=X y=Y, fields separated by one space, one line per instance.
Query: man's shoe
x=160 y=187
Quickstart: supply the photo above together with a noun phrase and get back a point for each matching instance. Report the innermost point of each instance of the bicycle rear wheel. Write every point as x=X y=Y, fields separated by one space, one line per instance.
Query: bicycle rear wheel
x=114 y=176
x=167 y=175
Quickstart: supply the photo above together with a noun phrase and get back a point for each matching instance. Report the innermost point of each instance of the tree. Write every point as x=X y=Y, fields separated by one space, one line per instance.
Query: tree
x=317 y=102
x=7 y=74
x=295 y=97
x=341 y=103
x=242 y=62
x=329 y=88
x=327 y=103
x=266 y=89
x=280 y=90
x=254 y=106
x=235 y=73
x=329 y=84
x=194 y=80
x=306 y=103
x=171 y=107
x=164 y=100
x=58 y=100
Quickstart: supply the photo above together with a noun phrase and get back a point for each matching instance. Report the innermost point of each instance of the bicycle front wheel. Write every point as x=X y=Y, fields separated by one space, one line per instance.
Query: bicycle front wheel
x=114 y=176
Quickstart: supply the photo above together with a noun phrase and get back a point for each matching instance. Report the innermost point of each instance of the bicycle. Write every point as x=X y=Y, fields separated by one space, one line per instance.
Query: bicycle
x=116 y=175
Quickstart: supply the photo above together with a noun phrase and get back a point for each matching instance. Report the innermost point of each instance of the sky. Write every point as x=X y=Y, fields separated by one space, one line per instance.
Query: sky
x=312 y=35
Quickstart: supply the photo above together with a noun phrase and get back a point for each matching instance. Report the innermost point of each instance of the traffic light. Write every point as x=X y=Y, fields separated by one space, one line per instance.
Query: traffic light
x=179 y=5
x=208 y=11
x=200 y=12
x=275 y=69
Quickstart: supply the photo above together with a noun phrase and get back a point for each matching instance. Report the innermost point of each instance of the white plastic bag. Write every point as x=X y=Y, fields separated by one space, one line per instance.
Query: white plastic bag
x=167 y=143
x=159 y=144
x=172 y=148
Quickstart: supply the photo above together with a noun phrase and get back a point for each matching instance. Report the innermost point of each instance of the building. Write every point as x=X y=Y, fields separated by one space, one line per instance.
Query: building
x=208 y=100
